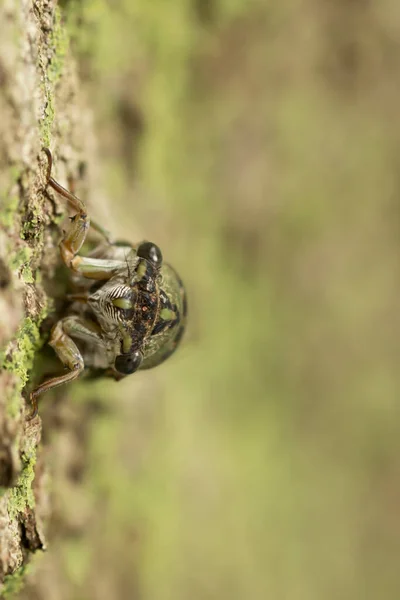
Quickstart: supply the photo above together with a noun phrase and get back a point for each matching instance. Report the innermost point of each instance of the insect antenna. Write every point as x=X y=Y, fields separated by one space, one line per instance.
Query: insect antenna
x=128 y=266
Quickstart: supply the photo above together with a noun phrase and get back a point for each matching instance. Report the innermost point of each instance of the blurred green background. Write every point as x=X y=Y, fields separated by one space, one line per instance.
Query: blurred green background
x=258 y=143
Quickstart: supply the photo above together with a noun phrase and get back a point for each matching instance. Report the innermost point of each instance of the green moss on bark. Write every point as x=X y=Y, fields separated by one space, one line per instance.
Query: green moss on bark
x=21 y=495
x=14 y=583
x=58 y=46
x=19 y=360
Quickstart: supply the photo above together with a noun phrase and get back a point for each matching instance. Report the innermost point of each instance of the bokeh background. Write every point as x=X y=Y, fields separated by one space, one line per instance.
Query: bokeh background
x=258 y=143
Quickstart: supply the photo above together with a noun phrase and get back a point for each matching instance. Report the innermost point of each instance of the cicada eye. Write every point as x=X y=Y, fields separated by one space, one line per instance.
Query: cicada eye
x=128 y=363
x=150 y=252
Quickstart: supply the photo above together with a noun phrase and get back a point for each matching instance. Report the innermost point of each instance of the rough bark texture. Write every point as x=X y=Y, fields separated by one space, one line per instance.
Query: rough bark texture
x=39 y=106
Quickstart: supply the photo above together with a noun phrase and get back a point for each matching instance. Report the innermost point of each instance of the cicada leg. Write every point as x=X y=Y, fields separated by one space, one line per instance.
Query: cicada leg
x=103 y=232
x=93 y=268
x=106 y=235
x=68 y=353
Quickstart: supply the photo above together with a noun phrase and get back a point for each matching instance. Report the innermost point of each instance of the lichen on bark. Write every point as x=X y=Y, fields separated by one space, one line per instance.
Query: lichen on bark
x=40 y=106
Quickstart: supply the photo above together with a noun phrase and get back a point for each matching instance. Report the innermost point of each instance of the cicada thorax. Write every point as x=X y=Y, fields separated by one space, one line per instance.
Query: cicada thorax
x=171 y=320
x=147 y=303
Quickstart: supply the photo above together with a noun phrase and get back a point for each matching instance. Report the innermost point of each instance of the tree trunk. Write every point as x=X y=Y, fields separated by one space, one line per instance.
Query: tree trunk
x=39 y=106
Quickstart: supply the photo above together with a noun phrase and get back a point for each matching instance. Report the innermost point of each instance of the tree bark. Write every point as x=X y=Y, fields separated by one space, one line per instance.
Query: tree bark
x=39 y=106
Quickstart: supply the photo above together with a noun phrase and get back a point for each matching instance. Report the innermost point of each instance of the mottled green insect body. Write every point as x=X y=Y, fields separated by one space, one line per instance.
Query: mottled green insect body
x=129 y=309
x=171 y=322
